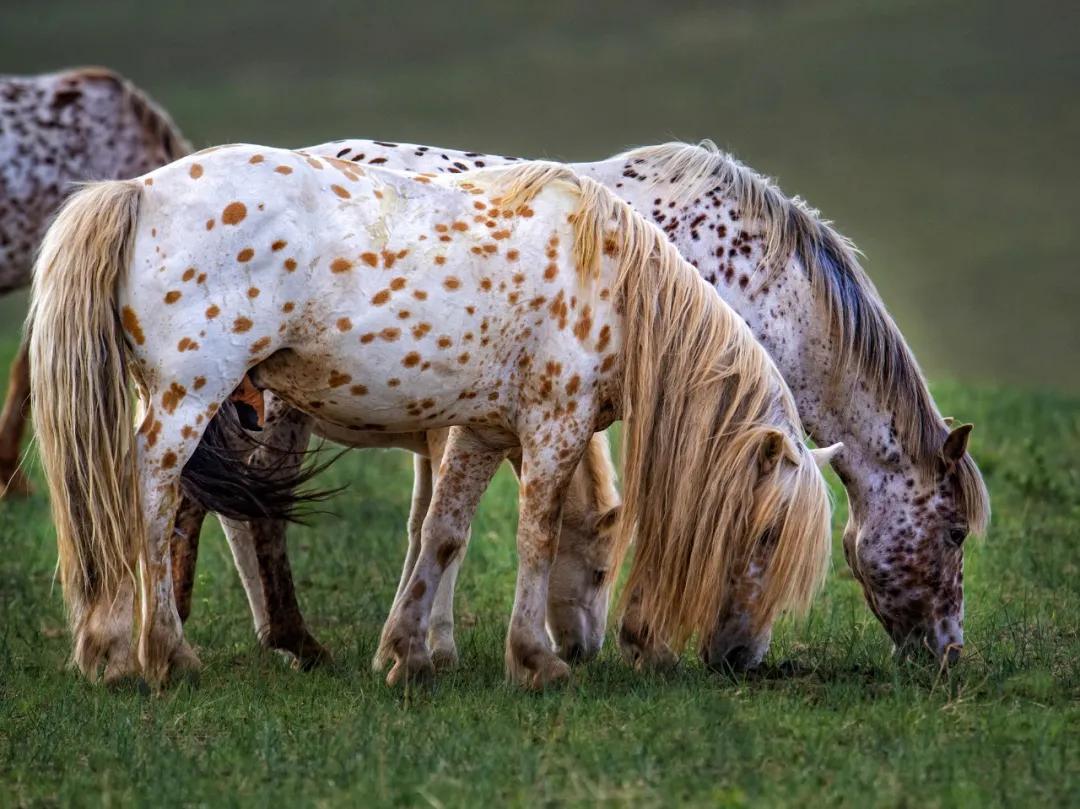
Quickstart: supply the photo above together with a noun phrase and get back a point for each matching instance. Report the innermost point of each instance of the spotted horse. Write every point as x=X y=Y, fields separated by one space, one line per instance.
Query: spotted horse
x=244 y=261
x=56 y=130
x=913 y=489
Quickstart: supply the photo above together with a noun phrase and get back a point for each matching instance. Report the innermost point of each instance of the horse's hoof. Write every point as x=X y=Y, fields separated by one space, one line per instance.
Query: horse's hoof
x=312 y=655
x=444 y=658
x=413 y=669
x=544 y=670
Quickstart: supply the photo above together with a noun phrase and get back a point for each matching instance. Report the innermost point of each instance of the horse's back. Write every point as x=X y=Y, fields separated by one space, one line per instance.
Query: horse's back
x=57 y=130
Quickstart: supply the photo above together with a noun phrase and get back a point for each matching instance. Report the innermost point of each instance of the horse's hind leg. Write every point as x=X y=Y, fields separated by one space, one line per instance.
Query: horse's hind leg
x=261 y=556
x=171 y=431
x=260 y=551
x=184 y=549
x=13 y=424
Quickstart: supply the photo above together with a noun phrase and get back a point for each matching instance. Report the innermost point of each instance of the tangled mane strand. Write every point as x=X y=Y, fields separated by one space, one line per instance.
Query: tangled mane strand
x=700 y=399
x=861 y=328
x=601 y=471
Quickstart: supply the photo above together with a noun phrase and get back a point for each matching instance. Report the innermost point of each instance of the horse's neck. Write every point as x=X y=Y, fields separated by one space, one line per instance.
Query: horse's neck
x=712 y=235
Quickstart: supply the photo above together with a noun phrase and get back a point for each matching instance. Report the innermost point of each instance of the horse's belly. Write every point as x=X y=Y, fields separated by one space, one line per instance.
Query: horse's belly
x=392 y=390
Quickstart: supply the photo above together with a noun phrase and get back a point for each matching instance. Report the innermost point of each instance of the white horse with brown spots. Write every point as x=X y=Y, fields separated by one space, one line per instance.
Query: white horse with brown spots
x=56 y=130
x=914 y=491
x=552 y=309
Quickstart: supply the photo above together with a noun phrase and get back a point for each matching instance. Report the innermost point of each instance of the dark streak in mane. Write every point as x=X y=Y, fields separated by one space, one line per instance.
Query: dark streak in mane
x=862 y=330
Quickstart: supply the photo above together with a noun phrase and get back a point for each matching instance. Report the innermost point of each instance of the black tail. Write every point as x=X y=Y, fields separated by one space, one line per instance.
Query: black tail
x=220 y=477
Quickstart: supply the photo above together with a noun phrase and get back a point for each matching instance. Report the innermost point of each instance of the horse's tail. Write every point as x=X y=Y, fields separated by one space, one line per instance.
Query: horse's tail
x=82 y=405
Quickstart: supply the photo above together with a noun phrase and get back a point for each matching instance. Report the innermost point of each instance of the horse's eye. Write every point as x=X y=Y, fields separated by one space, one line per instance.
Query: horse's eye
x=957 y=536
x=598 y=577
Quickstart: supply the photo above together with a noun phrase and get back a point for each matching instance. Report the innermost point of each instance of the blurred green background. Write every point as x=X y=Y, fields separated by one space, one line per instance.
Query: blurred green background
x=941 y=136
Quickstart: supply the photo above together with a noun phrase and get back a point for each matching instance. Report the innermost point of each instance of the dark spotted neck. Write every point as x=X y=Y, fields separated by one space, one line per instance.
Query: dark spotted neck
x=726 y=248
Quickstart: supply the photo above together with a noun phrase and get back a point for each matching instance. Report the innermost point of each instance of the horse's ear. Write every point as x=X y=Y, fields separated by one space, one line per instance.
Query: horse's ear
x=950 y=422
x=606 y=522
x=956 y=443
x=823 y=457
x=771 y=451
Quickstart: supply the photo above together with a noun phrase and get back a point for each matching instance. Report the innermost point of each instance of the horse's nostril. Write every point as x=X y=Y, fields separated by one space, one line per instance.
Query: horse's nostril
x=952 y=654
x=733 y=660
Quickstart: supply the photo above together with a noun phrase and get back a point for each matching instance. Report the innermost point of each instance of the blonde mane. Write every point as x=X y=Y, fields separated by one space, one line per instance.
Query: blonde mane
x=701 y=400
x=601 y=471
x=862 y=330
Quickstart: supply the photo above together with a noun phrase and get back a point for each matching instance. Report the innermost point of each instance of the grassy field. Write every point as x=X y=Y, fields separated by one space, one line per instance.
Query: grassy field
x=940 y=135
x=844 y=726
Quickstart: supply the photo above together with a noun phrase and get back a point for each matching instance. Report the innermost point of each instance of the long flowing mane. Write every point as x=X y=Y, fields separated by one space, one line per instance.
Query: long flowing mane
x=701 y=399
x=862 y=330
x=156 y=123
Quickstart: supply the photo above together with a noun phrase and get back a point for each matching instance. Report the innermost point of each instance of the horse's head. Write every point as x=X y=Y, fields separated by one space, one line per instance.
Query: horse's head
x=786 y=563
x=579 y=587
x=910 y=561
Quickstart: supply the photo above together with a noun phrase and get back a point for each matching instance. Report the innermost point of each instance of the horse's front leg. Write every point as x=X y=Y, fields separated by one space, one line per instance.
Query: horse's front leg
x=444 y=654
x=545 y=476
x=467 y=467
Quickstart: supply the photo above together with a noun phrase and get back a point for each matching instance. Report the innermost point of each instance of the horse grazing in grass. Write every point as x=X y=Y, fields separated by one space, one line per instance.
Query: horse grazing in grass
x=529 y=306
x=914 y=491
x=56 y=130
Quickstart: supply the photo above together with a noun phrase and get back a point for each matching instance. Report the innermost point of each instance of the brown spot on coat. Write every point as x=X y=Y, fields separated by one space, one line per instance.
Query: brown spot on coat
x=212 y=311
x=341 y=192
x=131 y=325
x=340 y=265
x=172 y=296
x=241 y=325
x=172 y=397
x=168 y=460
x=234 y=213
x=411 y=360
x=278 y=245
x=344 y=324
x=370 y=259
x=260 y=344
x=245 y=255
x=195 y=172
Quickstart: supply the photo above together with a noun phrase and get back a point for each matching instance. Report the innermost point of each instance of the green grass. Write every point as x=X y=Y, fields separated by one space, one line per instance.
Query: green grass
x=940 y=135
x=849 y=727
